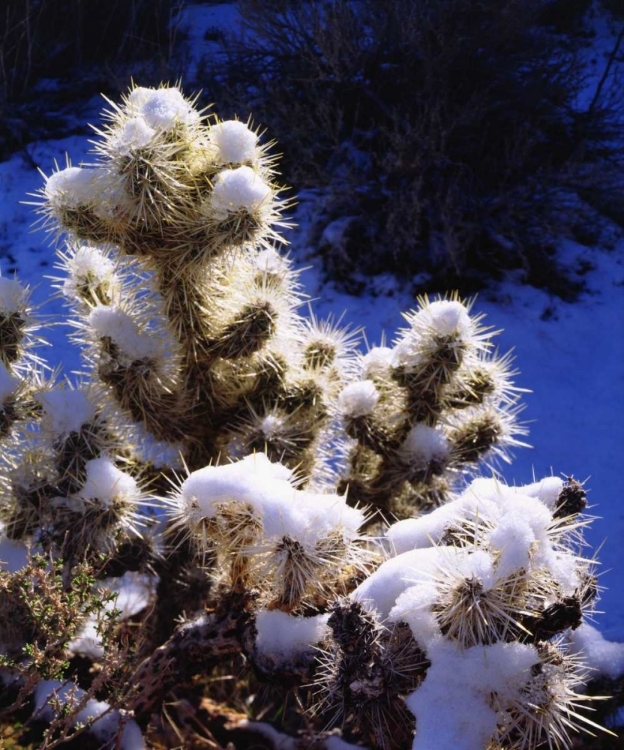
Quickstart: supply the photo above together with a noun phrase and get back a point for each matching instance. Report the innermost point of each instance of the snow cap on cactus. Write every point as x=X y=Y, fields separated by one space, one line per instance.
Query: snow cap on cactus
x=377 y=361
x=358 y=399
x=161 y=108
x=238 y=189
x=13 y=296
x=65 y=410
x=474 y=682
x=282 y=636
x=264 y=486
x=72 y=187
x=112 y=322
x=132 y=135
x=483 y=501
x=424 y=445
x=206 y=488
x=91 y=275
x=547 y=490
x=108 y=484
x=269 y=261
x=443 y=317
x=234 y=141
x=606 y=657
x=443 y=322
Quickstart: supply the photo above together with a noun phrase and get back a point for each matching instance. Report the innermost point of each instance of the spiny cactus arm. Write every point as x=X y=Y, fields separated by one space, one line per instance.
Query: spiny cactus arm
x=193 y=200
x=49 y=431
x=487 y=585
x=124 y=340
x=428 y=409
x=289 y=544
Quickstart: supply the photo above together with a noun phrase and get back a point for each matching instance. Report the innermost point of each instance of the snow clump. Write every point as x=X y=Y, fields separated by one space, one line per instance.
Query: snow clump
x=106 y=483
x=73 y=187
x=65 y=410
x=282 y=636
x=110 y=321
x=235 y=142
x=238 y=189
x=358 y=399
x=162 y=108
x=423 y=446
x=103 y=722
x=13 y=296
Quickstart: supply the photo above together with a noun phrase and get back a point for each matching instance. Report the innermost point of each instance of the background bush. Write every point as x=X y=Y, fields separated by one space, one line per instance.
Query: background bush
x=453 y=137
x=86 y=46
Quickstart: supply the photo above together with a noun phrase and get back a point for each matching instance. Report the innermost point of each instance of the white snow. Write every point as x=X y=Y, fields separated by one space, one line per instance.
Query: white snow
x=88 y=265
x=13 y=555
x=444 y=318
x=269 y=261
x=161 y=108
x=547 y=490
x=568 y=354
x=106 y=483
x=134 y=593
x=358 y=399
x=282 y=636
x=606 y=657
x=104 y=722
x=111 y=321
x=235 y=142
x=481 y=499
x=281 y=509
x=520 y=534
x=271 y=426
x=377 y=361
x=423 y=445
x=516 y=528
x=238 y=189
x=382 y=588
x=458 y=712
x=73 y=186
x=13 y=296
x=132 y=135
x=65 y=410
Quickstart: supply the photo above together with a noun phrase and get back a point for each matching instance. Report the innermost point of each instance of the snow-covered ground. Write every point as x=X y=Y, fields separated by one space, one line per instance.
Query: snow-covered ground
x=570 y=355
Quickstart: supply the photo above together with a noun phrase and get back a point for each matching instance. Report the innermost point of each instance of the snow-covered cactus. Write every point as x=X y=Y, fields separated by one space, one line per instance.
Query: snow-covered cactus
x=490 y=587
x=428 y=409
x=190 y=323
x=288 y=543
x=217 y=464
x=50 y=435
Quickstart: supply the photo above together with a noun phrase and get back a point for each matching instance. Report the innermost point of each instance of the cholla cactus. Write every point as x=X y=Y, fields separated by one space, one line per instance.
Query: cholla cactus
x=192 y=326
x=428 y=409
x=488 y=585
x=208 y=396
x=286 y=542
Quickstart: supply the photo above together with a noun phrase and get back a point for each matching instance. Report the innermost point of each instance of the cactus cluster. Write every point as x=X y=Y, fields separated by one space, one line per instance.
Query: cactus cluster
x=236 y=454
x=488 y=586
x=426 y=410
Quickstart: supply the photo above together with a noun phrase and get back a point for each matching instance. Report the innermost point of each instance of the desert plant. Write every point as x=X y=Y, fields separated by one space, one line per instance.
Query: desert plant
x=449 y=139
x=53 y=38
x=208 y=395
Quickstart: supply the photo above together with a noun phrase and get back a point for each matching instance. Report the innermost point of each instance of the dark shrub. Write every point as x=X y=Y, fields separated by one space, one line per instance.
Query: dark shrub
x=51 y=37
x=55 y=54
x=454 y=131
